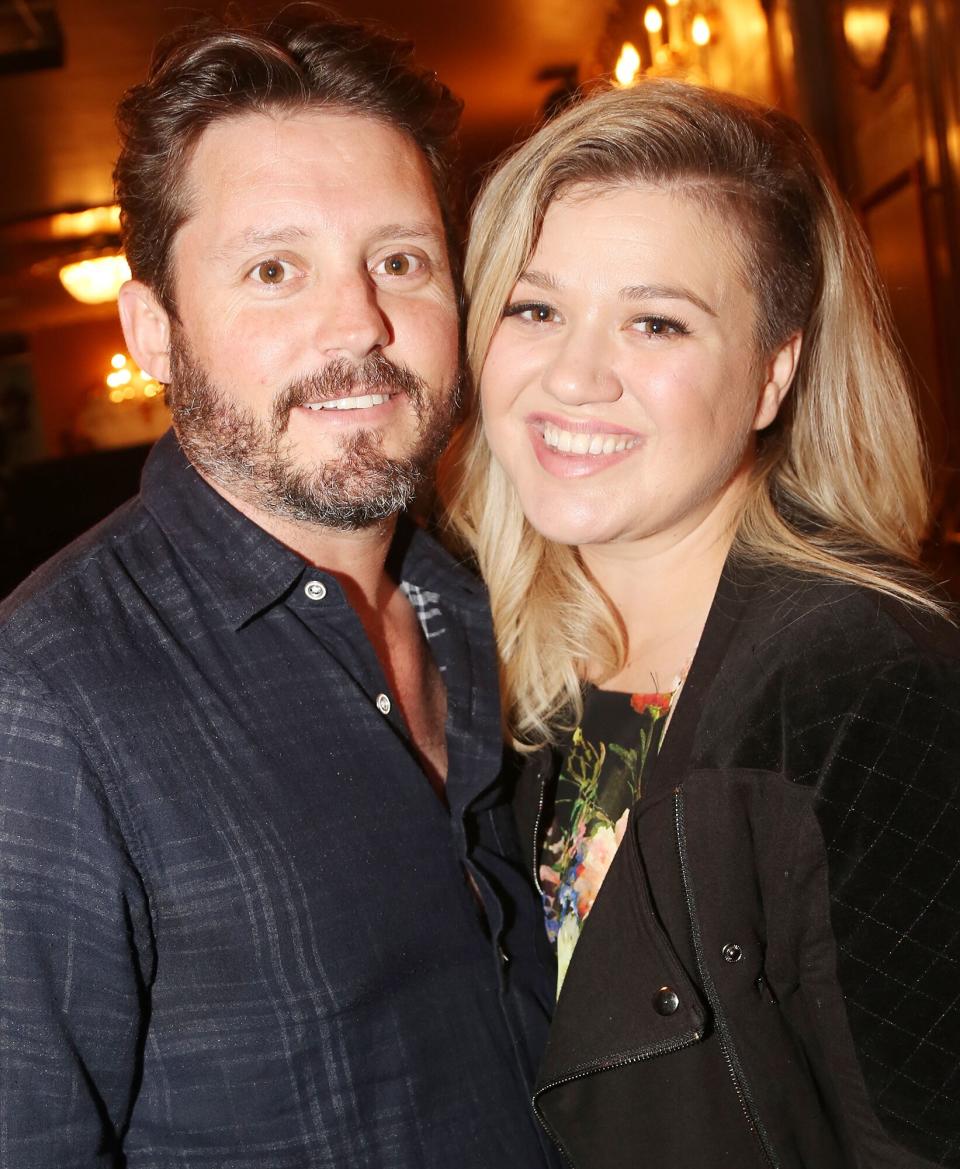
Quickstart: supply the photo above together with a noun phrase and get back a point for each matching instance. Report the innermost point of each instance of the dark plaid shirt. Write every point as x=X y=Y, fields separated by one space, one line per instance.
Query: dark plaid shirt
x=235 y=925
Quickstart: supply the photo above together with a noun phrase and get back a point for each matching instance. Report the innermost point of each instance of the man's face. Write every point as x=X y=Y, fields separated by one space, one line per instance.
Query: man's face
x=315 y=360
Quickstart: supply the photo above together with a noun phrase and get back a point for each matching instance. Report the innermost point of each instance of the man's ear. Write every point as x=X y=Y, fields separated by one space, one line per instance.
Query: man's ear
x=778 y=374
x=146 y=328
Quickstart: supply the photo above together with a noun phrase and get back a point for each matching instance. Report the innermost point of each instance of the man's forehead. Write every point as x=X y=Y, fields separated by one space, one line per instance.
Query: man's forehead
x=266 y=163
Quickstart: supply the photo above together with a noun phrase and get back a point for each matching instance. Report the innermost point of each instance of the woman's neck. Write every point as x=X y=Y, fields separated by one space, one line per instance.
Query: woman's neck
x=663 y=589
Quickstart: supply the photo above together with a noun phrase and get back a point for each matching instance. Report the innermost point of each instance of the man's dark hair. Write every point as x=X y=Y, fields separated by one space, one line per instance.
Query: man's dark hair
x=303 y=59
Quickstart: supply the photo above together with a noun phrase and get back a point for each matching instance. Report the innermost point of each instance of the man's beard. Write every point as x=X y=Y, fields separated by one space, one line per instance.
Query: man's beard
x=356 y=488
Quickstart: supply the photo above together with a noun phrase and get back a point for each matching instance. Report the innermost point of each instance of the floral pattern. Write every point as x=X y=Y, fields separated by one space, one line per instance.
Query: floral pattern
x=599 y=781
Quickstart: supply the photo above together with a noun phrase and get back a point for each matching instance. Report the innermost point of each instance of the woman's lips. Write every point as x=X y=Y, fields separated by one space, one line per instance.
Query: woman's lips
x=586 y=442
x=573 y=449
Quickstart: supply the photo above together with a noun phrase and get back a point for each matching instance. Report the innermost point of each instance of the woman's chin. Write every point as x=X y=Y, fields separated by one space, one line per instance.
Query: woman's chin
x=571 y=530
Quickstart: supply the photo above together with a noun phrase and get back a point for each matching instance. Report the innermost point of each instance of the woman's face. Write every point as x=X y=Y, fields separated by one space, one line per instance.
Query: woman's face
x=622 y=387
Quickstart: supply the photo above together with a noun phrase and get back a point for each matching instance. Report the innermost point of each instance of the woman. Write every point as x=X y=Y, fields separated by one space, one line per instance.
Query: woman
x=697 y=500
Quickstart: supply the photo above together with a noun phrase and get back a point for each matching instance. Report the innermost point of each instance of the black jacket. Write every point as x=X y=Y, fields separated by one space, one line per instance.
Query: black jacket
x=770 y=975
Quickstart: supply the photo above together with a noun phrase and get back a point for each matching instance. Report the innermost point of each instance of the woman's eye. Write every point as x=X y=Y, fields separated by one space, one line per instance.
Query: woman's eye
x=659 y=326
x=271 y=272
x=399 y=264
x=539 y=314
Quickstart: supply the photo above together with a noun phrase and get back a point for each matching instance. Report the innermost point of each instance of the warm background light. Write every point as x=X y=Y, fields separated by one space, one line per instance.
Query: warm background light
x=866 y=30
x=93 y=221
x=700 y=31
x=628 y=64
x=652 y=20
x=95 y=281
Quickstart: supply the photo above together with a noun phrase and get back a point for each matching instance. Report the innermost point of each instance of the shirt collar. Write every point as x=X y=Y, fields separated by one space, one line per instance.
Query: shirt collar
x=247 y=569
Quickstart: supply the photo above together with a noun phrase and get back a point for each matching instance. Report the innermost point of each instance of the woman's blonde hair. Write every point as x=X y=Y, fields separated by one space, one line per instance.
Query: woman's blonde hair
x=839 y=485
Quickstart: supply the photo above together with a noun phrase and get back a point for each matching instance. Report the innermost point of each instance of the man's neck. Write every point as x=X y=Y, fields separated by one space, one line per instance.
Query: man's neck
x=356 y=558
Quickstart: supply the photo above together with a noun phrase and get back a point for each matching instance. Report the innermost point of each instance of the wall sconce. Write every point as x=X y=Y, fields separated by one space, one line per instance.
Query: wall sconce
x=869 y=33
x=96 y=280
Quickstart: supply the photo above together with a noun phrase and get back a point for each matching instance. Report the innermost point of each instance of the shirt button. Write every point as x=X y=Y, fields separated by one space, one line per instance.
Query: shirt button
x=666 y=1001
x=383 y=704
x=731 y=952
x=316 y=590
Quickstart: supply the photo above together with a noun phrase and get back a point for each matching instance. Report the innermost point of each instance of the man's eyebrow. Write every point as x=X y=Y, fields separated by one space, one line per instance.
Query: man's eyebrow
x=401 y=231
x=665 y=292
x=540 y=280
x=256 y=238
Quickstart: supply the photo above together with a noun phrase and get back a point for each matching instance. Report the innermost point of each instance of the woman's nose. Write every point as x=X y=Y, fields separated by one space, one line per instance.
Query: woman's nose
x=581 y=372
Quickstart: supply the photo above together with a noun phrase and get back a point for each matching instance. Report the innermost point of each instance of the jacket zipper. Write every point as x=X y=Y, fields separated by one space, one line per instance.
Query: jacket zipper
x=723 y=1033
x=687 y=1039
x=536 y=830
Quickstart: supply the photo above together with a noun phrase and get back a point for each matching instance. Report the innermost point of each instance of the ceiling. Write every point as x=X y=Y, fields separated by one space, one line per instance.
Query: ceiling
x=57 y=132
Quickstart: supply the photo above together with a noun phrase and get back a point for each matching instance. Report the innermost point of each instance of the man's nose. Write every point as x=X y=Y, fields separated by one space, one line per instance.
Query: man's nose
x=351 y=322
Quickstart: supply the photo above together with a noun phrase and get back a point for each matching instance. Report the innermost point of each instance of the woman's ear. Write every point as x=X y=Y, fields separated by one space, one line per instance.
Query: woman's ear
x=778 y=374
x=146 y=328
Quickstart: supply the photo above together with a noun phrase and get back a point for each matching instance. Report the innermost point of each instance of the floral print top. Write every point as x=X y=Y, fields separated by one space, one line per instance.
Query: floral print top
x=600 y=778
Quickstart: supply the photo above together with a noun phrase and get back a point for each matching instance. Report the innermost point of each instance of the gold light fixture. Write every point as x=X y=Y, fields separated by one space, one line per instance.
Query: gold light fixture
x=673 y=42
x=97 y=280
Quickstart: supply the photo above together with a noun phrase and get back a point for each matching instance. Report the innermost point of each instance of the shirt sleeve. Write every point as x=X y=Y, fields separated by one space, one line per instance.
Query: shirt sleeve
x=888 y=803
x=75 y=954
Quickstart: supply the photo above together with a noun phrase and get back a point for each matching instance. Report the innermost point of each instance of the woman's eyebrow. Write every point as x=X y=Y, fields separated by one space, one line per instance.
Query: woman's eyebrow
x=540 y=280
x=665 y=292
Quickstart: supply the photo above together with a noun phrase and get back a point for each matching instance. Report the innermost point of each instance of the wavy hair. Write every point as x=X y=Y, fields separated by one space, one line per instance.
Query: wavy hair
x=839 y=484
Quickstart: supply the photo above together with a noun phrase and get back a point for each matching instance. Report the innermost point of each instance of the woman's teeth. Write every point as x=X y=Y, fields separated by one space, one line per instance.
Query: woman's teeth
x=583 y=443
x=362 y=402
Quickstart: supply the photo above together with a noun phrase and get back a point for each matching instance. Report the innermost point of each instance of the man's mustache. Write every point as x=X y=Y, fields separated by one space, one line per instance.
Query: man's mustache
x=376 y=374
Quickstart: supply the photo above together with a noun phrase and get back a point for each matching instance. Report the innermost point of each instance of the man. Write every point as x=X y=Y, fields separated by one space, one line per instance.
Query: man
x=251 y=895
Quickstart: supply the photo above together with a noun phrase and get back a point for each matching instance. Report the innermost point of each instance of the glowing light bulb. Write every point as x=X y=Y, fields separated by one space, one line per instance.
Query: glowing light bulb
x=700 y=31
x=628 y=65
x=652 y=20
x=119 y=377
x=119 y=360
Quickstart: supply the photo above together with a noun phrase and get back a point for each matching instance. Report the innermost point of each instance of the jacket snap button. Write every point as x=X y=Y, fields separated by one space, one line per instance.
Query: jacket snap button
x=666 y=1001
x=731 y=952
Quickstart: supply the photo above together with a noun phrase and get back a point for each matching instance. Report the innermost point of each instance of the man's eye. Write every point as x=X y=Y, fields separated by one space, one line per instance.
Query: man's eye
x=271 y=272
x=399 y=264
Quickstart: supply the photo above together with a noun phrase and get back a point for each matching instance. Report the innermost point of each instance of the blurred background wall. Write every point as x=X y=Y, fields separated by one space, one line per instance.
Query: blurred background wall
x=876 y=81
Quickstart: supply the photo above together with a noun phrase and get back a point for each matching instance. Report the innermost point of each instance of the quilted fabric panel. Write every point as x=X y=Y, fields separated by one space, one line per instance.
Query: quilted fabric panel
x=831 y=689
